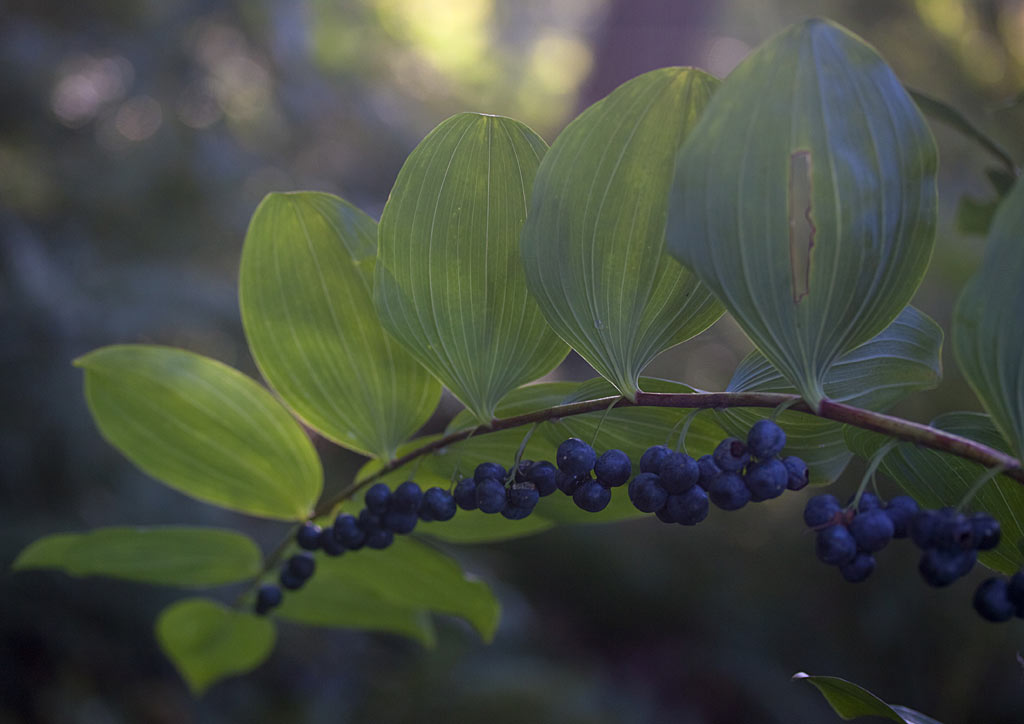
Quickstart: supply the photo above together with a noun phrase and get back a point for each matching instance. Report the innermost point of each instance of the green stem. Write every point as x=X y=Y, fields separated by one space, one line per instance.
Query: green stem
x=876 y=460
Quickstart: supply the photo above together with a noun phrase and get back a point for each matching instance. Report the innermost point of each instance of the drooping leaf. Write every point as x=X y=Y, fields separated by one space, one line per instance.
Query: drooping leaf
x=207 y=641
x=903 y=358
x=986 y=323
x=306 y=293
x=850 y=701
x=202 y=428
x=173 y=556
x=449 y=282
x=594 y=242
x=937 y=479
x=805 y=199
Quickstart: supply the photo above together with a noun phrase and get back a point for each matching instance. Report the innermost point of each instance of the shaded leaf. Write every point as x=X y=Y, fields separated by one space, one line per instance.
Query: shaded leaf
x=850 y=701
x=306 y=293
x=202 y=428
x=207 y=641
x=593 y=244
x=942 y=111
x=449 y=282
x=174 y=556
x=808 y=210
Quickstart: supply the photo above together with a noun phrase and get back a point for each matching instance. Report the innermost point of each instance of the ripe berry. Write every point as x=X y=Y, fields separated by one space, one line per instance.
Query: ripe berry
x=489 y=470
x=731 y=455
x=522 y=470
x=646 y=494
x=820 y=510
x=575 y=457
x=592 y=496
x=835 y=545
x=940 y=567
x=291 y=580
x=857 y=570
x=901 y=511
x=406 y=498
x=766 y=479
x=985 y=531
x=348 y=531
x=399 y=522
x=269 y=596
x=663 y=516
x=708 y=471
x=542 y=474
x=368 y=521
x=798 y=476
x=924 y=528
x=868 y=501
x=439 y=504
x=650 y=461
x=308 y=536
x=490 y=495
x=465 y=494
x=765 y=439
x=729 y=492
x=872 y=530
x=954 y=531
x=613 y=468
x=380 y=539
x=1015 y=590
x=992 y=600
x=689 y=507
x=301 y=565
x=569 y=484
x=523 y=495
x=678 y=472
x=377 y=498
x=330 y=543
x=513 y=513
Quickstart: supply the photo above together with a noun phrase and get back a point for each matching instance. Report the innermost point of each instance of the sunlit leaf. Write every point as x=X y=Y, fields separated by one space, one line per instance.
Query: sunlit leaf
x=593 y=245
x=207 y=641
x=449 y=282
x=805 y=199
x=174 y=556
x=850 y=701
x=202 y=428
x=306 y=292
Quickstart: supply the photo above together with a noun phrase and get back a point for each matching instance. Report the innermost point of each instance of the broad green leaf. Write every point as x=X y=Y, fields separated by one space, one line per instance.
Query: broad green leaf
x=903 y=358
x=850 y=701
x=937 y=479
x=202 y=428
x=987 y=335
x=173 y=556
x=805 y=199
x=449 y=282
x=207 y=641
x=594 y=241
x=306 y=293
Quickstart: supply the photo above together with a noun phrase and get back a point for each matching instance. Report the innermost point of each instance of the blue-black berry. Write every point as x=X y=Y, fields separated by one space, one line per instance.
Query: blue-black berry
x=489 y=470
x=349 y=532
x=291 y=580
x=766 y=479
x=399 y=522
x=650 y=461
x=301 y=565
x=731 y=455
x=872 y=530
x=901 y=511
x=330 y=543
x=269 y=596
x=490 y=495
x=613 y=468
x=465 y=494
x=438 y=504
x=543 y=475
x=924 y=528
x=765 y=439
x=369 y=521
x=940 y=567
x=868 y=501
x=708 y=471
x=592 y=496
x=678 y=472
x=406 y=498
x=646 y=494
x=377 y=498
x=857 y=570
x=575 y=457
x=513 y=513
x=729 y=492
x=523 y=495
x=380 y=538
x=835 y=545
x=308 y=536
x=798 y=476
x=522 y=471
x=689 y=507
x=992 y=600
x=985 y=531
x=821 y=510
x=569 y=484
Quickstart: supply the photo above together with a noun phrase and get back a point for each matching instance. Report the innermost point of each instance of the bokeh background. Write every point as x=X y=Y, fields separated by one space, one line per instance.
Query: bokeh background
x=136 y=138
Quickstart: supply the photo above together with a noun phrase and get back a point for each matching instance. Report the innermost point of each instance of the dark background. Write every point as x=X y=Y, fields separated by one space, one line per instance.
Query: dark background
x=136 y=138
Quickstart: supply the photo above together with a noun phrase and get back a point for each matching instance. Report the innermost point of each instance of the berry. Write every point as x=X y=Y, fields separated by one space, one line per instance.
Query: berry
x=575 y=457
x=678 y=473
x=992 y=600
x=765 y=439
x=439 y=504
x=269 y=596
x=955 y=532
x=489 y=470
x=308 y=536
x=985 y=531
x=399 y=522
x=490 y=496
x=731 y=455
x=348 y=532
x=290 y=580
x=543 y=475
x=689 y=507
x=368 y=521
x=646 y=494
x=523 y=495
x=872 y=530
x=835 y=545
x=940 y=567
x=377 y=498
x=1015 y=590
x=729 y=492
x=522 y=471
x=708 y=471
x=859 y=568
x=569 y=484
x=613 y=468
x=924 y=528
x=330 y=543
x=650 y=461
x=465 y=494
x=766 y=479
x=513 y=513
x=380 y=539
x=798 y=476
x=592 y=496
x=868 y=501
x=901 y=511
x=821 y=510
x=406 y=498
x=663 y=516
x=301 y=564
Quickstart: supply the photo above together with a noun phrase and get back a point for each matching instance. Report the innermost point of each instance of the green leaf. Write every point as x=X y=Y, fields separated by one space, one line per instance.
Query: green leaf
x=306 y=292
x=207 y=641
x=173 y=556
x=936 y=479
x=449 y=282
x=202 y=428
x=850 y=701
x=986 y=323
x=594 y=241
x=805 y=199
x=905 y=357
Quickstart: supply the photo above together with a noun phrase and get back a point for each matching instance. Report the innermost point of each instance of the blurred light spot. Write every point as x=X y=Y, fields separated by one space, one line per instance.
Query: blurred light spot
x=138 y=118
x=560 y=62
x=197 y=108
x=1011 y=27
x=214 y=43
x=241 y=86
x=947 y=17
x=724 y=54
x=453 y=35
x=982 y=57
x=86 y=85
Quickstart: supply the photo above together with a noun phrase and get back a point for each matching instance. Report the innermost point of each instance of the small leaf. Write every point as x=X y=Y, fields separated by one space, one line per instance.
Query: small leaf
x=306 y=293
x=173 y=556
x=850 y=701
x=207 y=641
x=902 y=358
x=805 y=199
x=449 y=283
x=593 y=244
x=202 y=428
x=936 y=479
x=986 y=323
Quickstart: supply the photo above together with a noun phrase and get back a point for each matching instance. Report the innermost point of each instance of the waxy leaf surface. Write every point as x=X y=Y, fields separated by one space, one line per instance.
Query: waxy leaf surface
x=850 y=701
